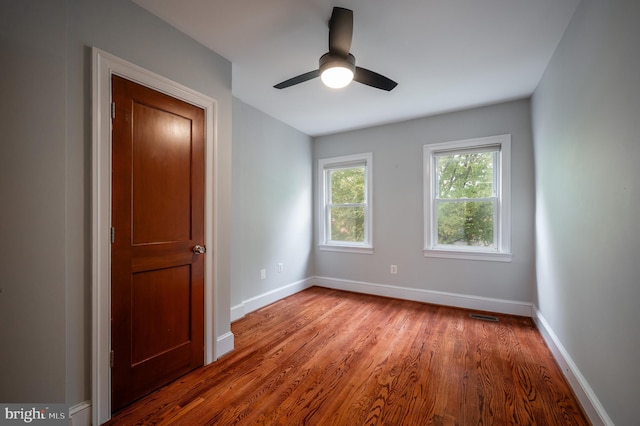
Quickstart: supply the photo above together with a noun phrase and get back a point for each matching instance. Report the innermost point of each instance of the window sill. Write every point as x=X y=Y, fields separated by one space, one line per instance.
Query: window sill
x=346 y=249
x=468 y=255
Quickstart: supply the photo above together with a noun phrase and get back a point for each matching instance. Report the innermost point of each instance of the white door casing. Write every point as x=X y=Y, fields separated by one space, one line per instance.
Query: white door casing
x=104 y=65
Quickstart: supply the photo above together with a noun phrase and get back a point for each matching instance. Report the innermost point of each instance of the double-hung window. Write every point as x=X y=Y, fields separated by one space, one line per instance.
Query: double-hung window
x=467 y=199
x=344 y=188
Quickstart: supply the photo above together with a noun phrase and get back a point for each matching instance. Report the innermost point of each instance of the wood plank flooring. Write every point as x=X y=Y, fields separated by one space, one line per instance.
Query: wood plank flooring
x=325 y=357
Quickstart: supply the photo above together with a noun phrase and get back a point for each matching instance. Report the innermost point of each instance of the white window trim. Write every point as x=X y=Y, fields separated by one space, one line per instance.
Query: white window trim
x=503 y=252
x=344 y=161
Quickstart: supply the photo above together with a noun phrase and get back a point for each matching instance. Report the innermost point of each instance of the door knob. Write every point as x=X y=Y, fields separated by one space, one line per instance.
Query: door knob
x=198 y=249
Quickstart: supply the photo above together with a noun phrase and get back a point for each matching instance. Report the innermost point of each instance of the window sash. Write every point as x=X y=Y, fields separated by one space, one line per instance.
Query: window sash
x=329 y=206
x=329 y=189
x=496 y=160
x=495 y=201
x=329 y=215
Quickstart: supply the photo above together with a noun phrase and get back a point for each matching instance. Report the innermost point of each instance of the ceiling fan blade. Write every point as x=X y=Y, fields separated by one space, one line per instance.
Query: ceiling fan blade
x=374 y=79
x=340 y=31
x=298 y=79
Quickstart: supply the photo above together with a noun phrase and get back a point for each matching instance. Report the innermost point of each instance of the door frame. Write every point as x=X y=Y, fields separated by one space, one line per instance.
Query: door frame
x=104 y=65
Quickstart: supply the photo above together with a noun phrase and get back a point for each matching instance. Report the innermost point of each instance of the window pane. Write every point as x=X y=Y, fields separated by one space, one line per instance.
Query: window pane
x=467 y=175
x=347 y=224
x=465 y=223
x=347 y=186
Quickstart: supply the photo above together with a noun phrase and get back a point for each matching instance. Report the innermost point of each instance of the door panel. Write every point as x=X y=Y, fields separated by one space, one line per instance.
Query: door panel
x=157 y=281
x=160 y=312
x=161 y=181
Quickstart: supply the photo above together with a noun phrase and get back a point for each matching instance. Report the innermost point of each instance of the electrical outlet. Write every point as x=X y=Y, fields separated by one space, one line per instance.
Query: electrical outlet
x=280 y=267
x=394 y=269
x=263 y=274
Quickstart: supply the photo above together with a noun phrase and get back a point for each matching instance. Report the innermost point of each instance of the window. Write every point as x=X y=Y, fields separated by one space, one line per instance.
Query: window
x=467 y=199
x=344 y=188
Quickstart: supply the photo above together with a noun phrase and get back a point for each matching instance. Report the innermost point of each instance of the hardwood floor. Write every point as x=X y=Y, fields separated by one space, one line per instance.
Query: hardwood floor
x=325 y=357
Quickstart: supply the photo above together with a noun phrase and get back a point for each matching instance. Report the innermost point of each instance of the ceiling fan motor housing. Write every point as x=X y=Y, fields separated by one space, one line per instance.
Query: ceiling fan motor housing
x=331 y=60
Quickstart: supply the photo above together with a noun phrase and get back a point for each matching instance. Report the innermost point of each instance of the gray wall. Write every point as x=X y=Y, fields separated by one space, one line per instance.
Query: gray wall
x=398 y=205
x=271 y=204
x=586 y=115
x=45 y=162
x=32 y=192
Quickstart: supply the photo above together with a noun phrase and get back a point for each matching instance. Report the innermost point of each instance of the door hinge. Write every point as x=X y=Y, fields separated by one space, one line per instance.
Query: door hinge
x=113 y=235
x=111 y=356
x=113 y=110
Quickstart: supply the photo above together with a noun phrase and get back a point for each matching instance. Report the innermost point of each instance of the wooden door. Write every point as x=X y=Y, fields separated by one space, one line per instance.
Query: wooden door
x=157 y=278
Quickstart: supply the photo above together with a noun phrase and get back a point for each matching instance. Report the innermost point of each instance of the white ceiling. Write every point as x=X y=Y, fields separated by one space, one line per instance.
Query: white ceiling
x=445 y=54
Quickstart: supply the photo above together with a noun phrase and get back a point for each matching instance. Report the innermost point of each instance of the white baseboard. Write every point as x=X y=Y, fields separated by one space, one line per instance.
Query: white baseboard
x=511 y=307
x=80 y=414
x=268 y=298
x=237 y=312
x=590 y=403
x=224 y=344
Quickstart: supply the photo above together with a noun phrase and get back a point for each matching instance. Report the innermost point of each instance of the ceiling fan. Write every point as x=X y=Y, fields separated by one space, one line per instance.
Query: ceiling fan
x=338 y=66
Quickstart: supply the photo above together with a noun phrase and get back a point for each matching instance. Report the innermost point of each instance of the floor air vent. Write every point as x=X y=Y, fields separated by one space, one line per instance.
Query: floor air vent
x=484 y=317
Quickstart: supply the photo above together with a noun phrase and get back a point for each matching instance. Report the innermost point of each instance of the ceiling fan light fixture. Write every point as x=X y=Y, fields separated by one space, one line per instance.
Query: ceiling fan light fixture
x=337 y=72
x=337 y=77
